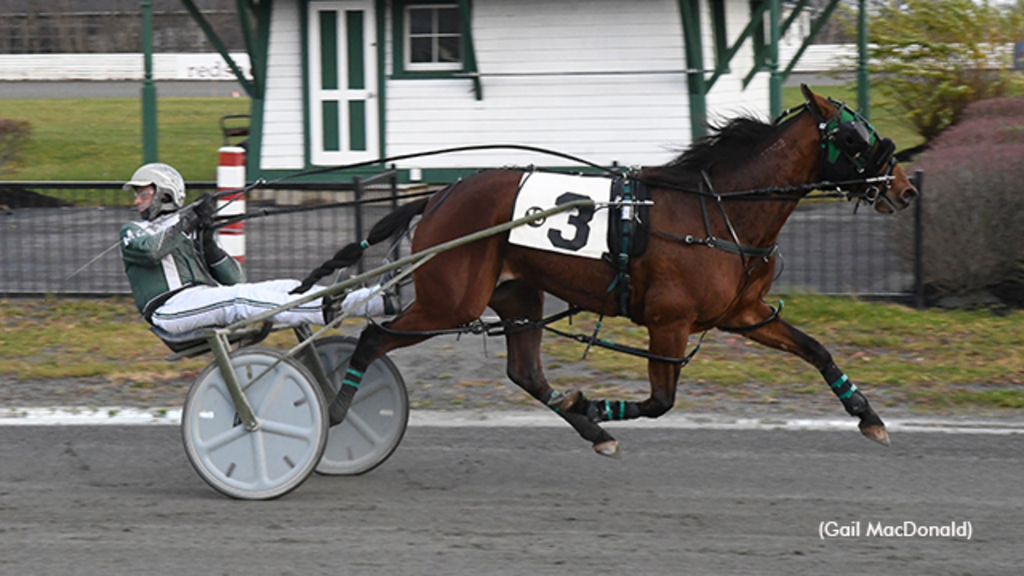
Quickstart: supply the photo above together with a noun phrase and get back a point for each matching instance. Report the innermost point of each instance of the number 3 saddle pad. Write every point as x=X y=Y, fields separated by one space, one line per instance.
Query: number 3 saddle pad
x=578 y=232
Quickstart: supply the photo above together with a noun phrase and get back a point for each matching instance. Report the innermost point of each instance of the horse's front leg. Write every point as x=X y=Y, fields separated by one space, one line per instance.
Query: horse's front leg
x=783 y=336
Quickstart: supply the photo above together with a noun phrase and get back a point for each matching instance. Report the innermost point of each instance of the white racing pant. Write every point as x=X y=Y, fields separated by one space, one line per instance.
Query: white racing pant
x=205 y=306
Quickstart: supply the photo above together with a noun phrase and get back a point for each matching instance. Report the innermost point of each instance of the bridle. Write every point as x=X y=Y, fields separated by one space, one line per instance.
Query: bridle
x=852 y=151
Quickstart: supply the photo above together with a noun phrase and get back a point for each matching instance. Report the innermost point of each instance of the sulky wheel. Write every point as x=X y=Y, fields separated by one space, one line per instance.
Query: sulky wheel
x=292 y=427
x=377 y=418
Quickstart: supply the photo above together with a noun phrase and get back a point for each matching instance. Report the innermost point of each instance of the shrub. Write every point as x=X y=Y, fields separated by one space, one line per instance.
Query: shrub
x=14 y=134
x=973 y=201
x=932 y=59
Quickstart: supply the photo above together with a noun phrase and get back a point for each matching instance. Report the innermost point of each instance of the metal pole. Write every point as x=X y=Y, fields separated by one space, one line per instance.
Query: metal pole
x=393 y=184
x=690 y=15
x=149 y=127
x=863 y=96
x=918 y=242
x=218 y=341
x=357 y=188
x=775 y=81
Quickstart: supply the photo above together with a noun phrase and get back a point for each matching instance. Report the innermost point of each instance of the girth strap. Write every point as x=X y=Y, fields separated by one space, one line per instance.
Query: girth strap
x=744 y=329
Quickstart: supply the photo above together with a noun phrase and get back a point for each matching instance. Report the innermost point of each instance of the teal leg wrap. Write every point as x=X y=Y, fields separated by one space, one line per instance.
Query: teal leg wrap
x=608 y=410
x=338 y=408
x=852 y=399
x=352 y=378
x=843 y=388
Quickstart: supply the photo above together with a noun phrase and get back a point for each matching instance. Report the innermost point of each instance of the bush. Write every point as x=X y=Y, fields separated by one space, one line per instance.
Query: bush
x=931 y=59
x=973 y=203
x=14 y=134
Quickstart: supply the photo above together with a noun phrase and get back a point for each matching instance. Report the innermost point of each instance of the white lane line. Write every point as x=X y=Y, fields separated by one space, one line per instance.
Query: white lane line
x=71 y=416
x=713 y=422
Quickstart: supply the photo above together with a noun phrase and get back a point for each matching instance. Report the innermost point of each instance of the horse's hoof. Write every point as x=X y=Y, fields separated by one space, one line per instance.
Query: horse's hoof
x=876 y=432
x=609 y=449
x=564 y=401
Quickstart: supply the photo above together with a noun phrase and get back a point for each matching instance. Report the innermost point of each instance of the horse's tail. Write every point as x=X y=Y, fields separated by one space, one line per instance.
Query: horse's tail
x=395 y=222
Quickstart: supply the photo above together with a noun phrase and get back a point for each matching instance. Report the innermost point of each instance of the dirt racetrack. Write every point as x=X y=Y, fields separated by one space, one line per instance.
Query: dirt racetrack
x=467 y=501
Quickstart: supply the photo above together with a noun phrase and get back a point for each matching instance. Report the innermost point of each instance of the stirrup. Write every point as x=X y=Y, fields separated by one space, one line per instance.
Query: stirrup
x=333 y=305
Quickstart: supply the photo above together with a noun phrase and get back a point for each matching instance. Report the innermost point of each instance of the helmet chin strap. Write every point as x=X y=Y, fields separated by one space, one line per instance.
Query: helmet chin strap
x=157 y=208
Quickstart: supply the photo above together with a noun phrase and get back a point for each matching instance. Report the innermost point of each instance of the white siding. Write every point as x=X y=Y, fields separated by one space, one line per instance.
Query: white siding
x=727 y=97
x=601 y=79
x=284 y=141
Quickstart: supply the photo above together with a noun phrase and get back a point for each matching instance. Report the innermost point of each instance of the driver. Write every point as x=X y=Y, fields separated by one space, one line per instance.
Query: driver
x=183 y=280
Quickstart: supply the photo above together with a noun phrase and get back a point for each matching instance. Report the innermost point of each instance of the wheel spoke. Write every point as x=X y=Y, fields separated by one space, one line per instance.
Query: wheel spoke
x=364 y=429
x=222 y=439
x=259 y=450
x=286 y=430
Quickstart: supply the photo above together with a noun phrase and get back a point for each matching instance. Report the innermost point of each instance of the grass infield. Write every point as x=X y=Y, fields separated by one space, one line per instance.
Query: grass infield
x=101 y=138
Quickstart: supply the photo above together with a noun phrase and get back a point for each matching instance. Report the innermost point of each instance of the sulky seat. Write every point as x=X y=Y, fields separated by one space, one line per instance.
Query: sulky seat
x=194 y=342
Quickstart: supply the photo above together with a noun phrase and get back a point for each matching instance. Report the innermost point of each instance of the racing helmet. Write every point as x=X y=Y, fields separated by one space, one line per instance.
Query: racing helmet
x=170 y=188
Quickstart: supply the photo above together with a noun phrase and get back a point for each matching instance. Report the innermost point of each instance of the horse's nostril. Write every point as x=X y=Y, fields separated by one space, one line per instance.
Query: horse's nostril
x=909 y=194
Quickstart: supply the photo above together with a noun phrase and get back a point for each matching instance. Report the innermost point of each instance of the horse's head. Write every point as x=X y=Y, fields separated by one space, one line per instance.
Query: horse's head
x=852 y=151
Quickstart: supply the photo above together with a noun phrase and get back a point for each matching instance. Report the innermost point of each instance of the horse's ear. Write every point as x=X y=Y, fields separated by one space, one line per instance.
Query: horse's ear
x=808 y=95
x=815 y=100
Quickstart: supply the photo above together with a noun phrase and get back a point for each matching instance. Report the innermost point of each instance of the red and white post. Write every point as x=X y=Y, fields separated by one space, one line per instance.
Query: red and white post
x=231 y=176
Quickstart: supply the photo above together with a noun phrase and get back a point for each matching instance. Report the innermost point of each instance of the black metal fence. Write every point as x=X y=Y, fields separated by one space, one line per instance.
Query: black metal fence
x=50 y=247
x=106 y=26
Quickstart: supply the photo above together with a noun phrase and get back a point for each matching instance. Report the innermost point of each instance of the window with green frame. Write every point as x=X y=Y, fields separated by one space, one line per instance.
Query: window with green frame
x=428 y=39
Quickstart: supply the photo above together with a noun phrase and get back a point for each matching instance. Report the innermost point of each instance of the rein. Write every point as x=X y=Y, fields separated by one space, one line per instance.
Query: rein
x=845 y=136
x=264 y=212
x=828 y=189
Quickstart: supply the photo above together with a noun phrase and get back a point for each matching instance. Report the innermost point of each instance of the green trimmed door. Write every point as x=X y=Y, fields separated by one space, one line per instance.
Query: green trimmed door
x=342 y=82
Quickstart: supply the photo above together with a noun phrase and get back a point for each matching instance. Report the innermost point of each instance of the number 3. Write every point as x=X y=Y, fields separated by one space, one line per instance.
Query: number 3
x=580 y=221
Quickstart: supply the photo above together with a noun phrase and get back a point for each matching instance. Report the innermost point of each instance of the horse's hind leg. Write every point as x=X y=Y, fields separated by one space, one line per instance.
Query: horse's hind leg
x=374 y=342
x=783 y=336
x=669 y=341
x=514 y=300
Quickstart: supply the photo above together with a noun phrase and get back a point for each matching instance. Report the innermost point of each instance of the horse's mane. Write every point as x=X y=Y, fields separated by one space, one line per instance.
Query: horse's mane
x=732 y=142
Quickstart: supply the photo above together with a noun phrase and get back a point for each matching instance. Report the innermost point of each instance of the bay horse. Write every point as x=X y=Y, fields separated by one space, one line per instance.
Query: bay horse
x=752 y=174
